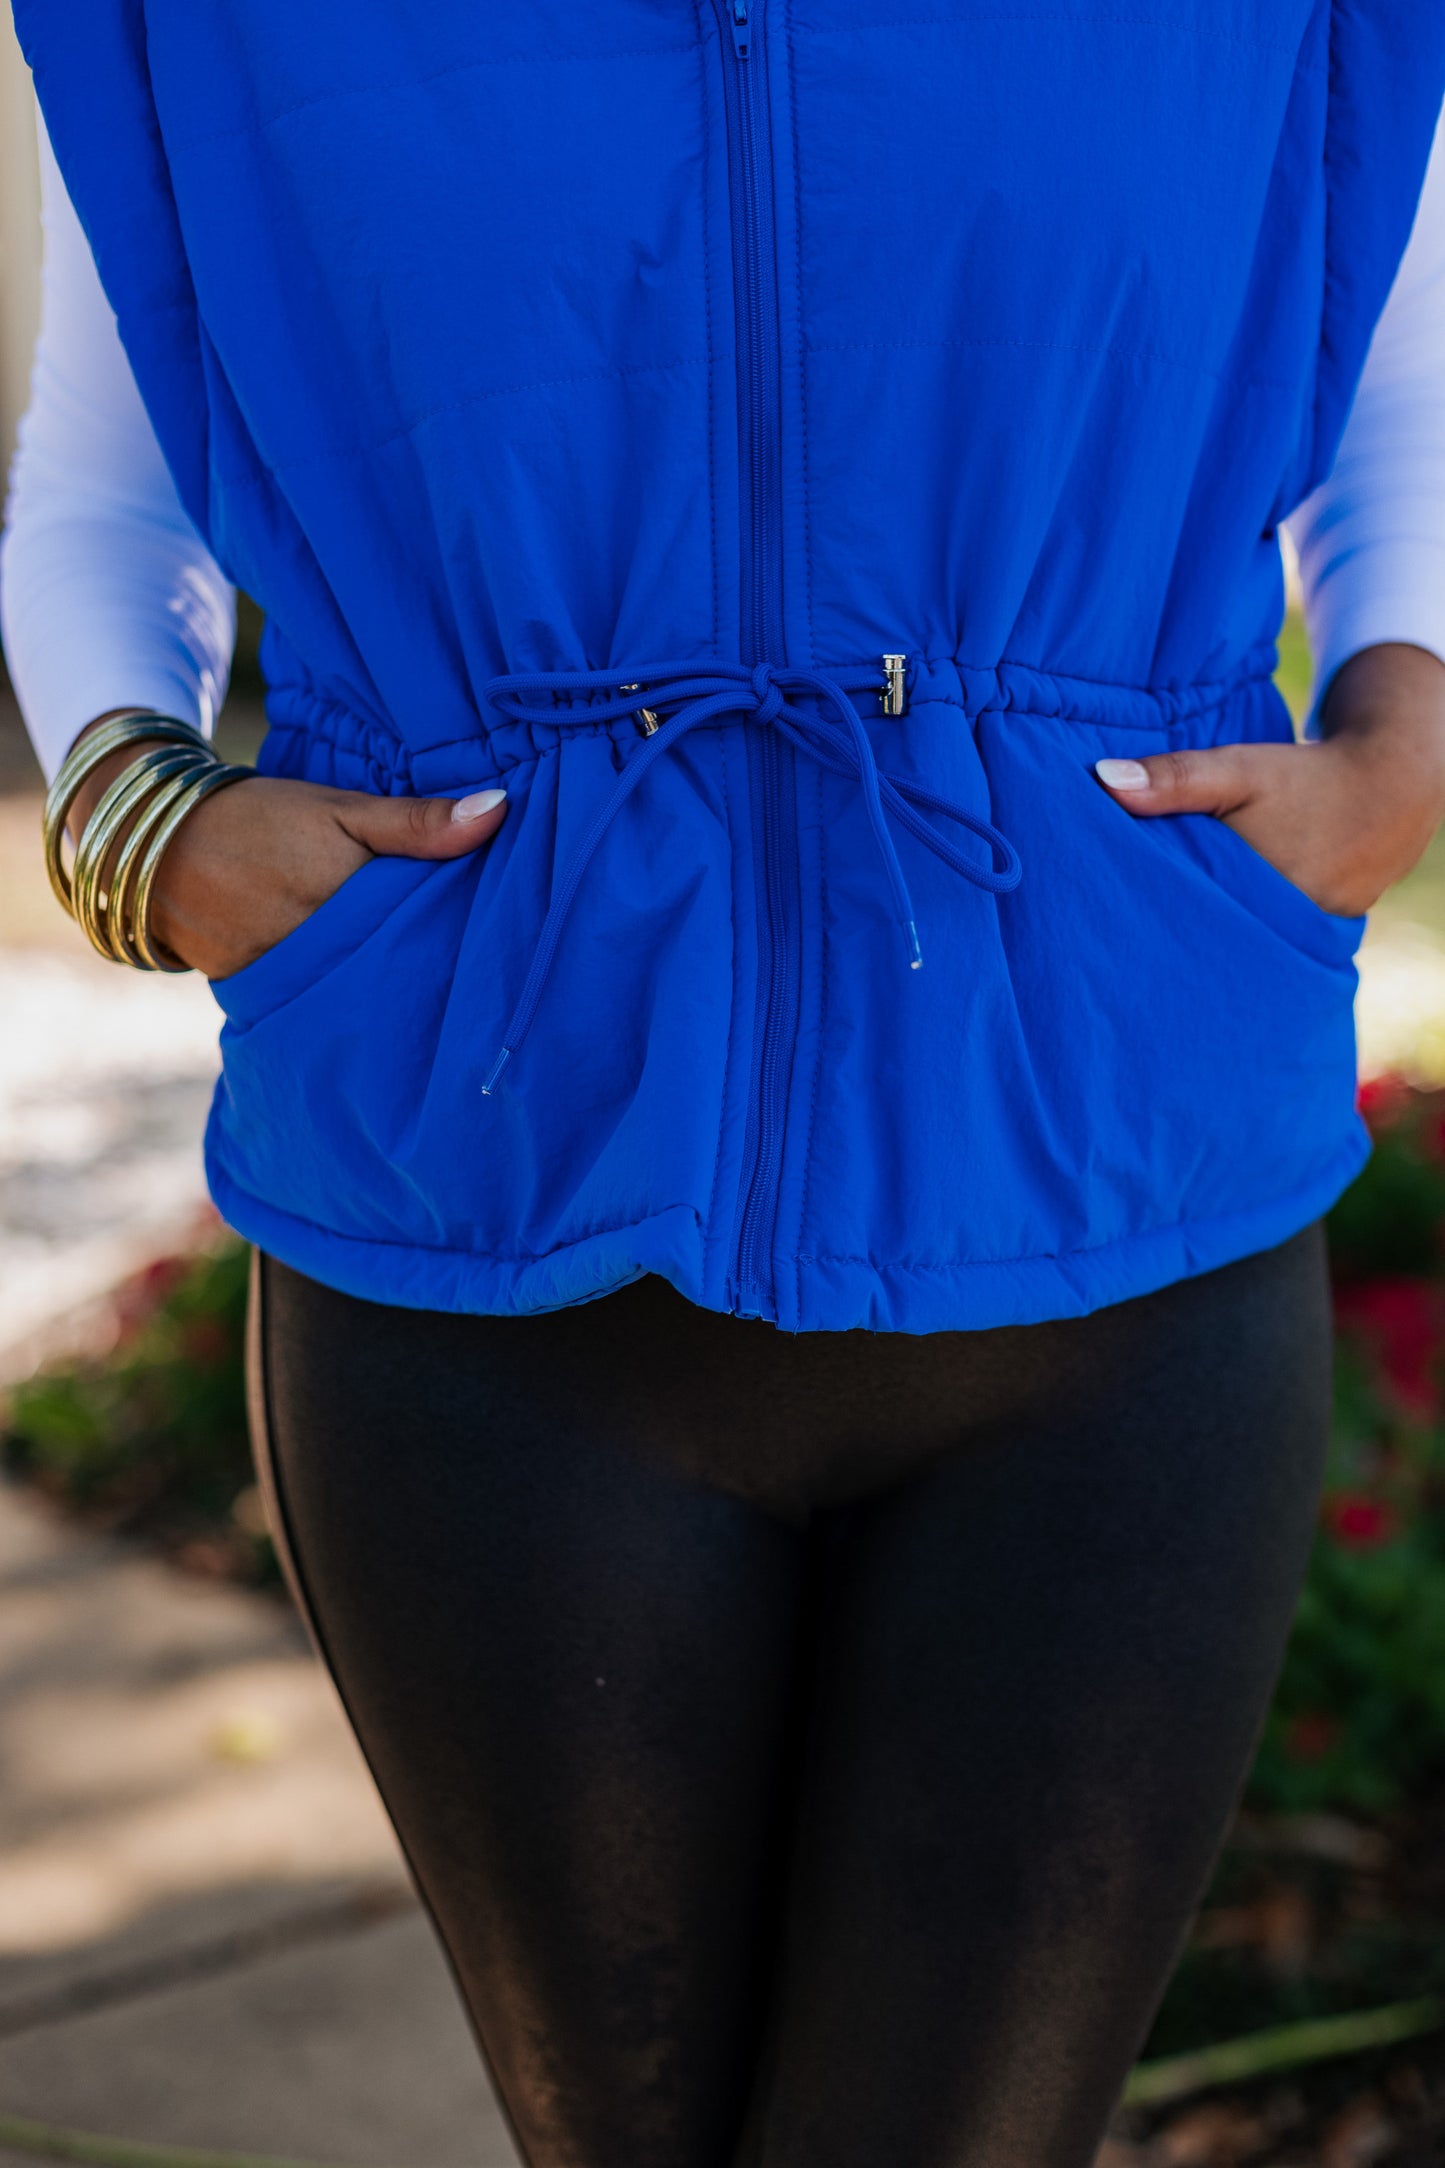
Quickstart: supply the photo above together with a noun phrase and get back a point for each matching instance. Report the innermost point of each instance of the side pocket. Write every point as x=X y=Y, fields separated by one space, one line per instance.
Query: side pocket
x=331 y=933
x=1236 y=867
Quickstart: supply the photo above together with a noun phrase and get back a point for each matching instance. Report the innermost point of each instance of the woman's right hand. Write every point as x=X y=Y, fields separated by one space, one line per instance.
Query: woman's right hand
x=252 y=861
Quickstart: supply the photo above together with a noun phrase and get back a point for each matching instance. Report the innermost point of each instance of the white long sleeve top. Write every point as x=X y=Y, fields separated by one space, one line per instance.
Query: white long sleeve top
x=109 y=598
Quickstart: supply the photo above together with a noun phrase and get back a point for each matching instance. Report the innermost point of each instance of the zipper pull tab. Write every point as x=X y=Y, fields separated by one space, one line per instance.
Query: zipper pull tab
x=892 y=693
x=741 y=10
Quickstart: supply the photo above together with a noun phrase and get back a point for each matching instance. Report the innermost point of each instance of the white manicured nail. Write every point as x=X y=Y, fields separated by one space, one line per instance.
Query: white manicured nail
x=1122 y=774
x=480 y=802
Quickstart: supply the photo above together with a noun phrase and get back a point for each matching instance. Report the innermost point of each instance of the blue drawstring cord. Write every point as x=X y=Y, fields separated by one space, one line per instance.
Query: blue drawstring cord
x=761 y=694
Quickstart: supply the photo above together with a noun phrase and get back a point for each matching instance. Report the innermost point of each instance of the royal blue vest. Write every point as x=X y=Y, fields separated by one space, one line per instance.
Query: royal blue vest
x=784 y=442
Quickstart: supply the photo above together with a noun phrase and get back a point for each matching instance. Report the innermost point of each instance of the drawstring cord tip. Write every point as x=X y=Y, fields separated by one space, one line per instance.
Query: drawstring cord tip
x=915 y=952
x=495 y=1071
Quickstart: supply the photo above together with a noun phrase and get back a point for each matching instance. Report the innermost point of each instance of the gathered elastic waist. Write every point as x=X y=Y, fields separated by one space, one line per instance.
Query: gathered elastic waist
x=316 y=732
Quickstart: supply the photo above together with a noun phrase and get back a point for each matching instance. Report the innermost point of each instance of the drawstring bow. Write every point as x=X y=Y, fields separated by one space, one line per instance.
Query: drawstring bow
x=765 y=694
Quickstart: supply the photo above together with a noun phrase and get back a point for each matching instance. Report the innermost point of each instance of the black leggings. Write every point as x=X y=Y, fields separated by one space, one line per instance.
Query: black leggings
x=811 y=1750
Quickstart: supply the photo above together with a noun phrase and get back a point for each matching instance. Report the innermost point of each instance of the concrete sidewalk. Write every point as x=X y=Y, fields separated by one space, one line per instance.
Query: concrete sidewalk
x=206 y=1933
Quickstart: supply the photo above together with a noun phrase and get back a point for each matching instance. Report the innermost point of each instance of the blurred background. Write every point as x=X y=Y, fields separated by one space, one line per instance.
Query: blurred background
x=207 y=1939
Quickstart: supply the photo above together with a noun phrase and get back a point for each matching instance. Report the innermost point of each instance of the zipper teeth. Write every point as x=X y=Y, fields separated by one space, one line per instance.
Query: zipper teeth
x=762 y=637
x=759 y=412
x=758 y=371
x=759 y=1140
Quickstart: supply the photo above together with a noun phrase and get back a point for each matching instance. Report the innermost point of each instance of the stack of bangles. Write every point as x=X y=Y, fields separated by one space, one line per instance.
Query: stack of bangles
x=108 y=889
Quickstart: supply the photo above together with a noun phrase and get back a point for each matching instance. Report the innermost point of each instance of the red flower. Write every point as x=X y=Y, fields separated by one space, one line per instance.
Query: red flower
x=1404 y=1322
x=137 y=1299
x=1359 y=1523
x=1310 y=1735
x=1382 y=1100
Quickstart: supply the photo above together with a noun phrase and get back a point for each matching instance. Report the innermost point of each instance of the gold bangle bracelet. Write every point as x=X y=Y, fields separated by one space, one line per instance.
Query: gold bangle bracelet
x=136 y=727
x=99 y=919
x=133 y=728
x=117 y=857
x=107 y=819
x=118 y=804
x=119 y=909
x=197 y=787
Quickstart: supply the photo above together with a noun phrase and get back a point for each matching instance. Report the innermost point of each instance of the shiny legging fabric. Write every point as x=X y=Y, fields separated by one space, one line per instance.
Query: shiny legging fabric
x=811 y=1750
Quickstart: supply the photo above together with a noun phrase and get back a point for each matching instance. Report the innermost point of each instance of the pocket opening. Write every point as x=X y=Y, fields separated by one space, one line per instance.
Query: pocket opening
x=325 y=938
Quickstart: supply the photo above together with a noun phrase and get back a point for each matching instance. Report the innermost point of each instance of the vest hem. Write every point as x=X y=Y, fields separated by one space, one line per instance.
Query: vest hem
x=832 y=1293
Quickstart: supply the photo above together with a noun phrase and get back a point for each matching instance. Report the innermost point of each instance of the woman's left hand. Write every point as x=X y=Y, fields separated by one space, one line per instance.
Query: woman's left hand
x=1342 y=818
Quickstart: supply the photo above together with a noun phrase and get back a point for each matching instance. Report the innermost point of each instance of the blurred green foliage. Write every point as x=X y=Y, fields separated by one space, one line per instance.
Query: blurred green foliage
x=1359 y=1718
x=1292 y=673
x=148 y=1434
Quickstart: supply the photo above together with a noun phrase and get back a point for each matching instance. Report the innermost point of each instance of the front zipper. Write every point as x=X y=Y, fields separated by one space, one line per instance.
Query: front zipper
x=771 y=768
x=750 y=157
